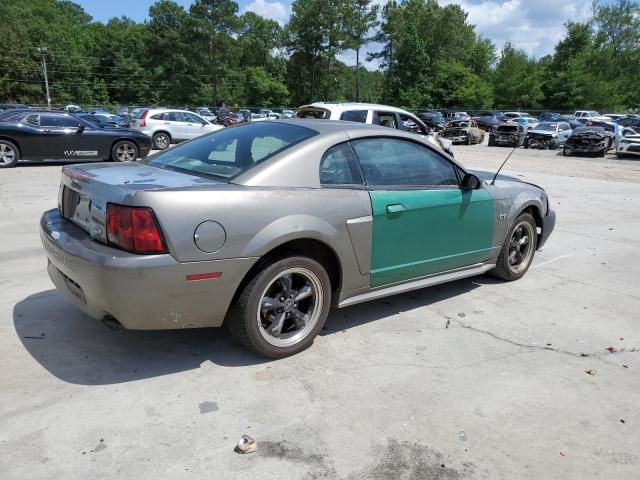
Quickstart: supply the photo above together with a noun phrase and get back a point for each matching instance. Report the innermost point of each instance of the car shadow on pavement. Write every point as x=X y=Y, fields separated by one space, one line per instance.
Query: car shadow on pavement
x=81 y=350
x=345 y=318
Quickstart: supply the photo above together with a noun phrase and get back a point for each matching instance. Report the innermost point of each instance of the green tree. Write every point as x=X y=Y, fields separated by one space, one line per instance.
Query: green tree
x=517 y=80
x=213 y=22
x=361 y=16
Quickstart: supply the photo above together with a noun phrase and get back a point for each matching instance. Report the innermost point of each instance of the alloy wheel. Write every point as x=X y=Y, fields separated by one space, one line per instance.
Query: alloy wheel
x=162 y=142
x=126 y=152
x=7 y=154
x=521 y=247
x=290 y=307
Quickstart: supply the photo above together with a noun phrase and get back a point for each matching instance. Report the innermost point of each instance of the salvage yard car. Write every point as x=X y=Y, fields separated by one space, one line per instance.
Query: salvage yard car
x=547 y=135
x=373 y=114
x=49 y=135
x=507 y=134
x=166 y=126
x=463 y=131
x=266 y=225
x=587 y=141
x=628 y=142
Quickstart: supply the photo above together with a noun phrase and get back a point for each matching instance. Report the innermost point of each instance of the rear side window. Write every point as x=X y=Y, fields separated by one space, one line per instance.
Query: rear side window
x=229 y=152
x=174 y=117
x=338 y=167
x=385 y=119
x=319 y=113
x=395 y=162
x=33 y=120
x=355 y=116
x=58 y=121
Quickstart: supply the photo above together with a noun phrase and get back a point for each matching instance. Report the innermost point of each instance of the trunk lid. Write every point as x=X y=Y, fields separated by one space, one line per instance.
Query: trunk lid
x=85 y=190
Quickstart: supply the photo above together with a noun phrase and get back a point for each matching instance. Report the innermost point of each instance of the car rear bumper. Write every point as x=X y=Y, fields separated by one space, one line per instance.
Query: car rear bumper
x=142 y=292
x=548 y=224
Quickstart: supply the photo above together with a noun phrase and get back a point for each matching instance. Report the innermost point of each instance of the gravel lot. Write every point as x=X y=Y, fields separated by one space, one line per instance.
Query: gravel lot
x=386 y=392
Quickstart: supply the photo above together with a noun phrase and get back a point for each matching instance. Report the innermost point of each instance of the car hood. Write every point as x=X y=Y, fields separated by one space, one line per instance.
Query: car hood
x=542 y=132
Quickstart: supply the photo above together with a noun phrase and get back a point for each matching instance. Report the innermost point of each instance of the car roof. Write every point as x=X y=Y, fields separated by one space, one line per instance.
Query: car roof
x=341 y=107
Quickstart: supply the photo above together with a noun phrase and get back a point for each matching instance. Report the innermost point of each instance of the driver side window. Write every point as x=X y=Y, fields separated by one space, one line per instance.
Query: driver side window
x=395 y=162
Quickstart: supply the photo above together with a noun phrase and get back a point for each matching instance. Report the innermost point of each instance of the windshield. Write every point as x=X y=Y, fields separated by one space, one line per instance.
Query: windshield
x=231 y=151
x=547 y=127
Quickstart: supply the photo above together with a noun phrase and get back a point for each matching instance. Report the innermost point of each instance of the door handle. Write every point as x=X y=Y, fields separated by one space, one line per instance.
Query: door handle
x=396 y=208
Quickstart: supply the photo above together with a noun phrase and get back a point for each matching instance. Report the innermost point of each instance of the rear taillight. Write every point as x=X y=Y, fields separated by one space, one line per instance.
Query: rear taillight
x=134 y=229
x=143 y=118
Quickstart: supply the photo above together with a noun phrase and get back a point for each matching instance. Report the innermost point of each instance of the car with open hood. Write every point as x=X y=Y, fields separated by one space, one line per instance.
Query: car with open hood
x=463 y=132
x=265 y=226
x=507 y=134
x=547 y=135
x=628 y=142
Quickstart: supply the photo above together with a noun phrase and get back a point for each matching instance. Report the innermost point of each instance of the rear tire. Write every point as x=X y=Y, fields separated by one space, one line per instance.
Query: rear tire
x=9 y=154
x=275 y=320
x=124 y=151
x=526 y=143
x=161 y=141
x=517 y=253
x=491 y=142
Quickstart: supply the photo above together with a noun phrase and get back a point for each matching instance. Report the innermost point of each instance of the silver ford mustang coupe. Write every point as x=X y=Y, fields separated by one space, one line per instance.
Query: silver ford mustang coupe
x=265 y=226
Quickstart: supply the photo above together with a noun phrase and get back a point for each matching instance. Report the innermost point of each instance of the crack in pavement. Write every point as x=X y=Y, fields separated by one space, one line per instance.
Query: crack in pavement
x=495 y=336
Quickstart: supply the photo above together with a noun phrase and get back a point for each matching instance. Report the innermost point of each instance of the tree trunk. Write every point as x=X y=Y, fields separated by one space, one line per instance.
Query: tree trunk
x=358 y=74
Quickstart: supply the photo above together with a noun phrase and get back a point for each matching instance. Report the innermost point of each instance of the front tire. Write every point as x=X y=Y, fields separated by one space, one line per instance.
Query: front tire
x=565 y=152
x=124 y=151
x=518 y=249
x=9 y=154
x=282 y=308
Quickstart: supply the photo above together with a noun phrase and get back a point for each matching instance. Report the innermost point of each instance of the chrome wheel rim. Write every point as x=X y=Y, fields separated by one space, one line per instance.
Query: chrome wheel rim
x=7 y=154
x=126 y=152
x=162 y=142
x=290 y=307
x=521 y=247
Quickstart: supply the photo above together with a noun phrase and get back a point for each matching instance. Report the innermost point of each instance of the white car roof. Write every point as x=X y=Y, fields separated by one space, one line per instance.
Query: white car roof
x=349 y=106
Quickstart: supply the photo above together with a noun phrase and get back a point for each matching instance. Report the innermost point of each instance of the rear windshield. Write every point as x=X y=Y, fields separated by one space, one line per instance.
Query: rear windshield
x=231 y=151
x=138 y=114
x=320 y=113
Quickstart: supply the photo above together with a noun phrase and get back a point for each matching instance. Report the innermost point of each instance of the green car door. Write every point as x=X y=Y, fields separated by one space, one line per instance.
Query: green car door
x=423 y=222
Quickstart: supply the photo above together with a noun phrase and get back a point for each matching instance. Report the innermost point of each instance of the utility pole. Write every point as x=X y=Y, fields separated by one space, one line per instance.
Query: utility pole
x=43 y=51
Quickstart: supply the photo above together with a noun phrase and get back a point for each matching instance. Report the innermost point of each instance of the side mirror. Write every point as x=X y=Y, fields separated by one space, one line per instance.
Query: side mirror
x=81 y=128
x=470 y=182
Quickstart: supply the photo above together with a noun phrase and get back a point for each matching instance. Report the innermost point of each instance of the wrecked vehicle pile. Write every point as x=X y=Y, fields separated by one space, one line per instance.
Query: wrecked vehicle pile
x=463 y=131
x=548 y=135
x=508 y=134
x=587 y=141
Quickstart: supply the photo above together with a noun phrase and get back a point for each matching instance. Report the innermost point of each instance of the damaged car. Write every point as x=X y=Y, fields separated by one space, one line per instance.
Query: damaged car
x=628 y=142
x=587 y=141
x=507 y=134
x=463 y=132
x=548 y=135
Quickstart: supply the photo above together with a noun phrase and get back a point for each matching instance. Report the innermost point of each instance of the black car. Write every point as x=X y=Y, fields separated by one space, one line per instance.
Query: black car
x=105 y=120
x=587 y=141
x=49 y=135
x=488 y=120
x=13 y=106
x=551 y=117
x=432 y=119
x=630 y=121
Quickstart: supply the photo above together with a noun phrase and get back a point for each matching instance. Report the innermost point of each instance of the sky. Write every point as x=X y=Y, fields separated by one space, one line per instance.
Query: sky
x=533 y=25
